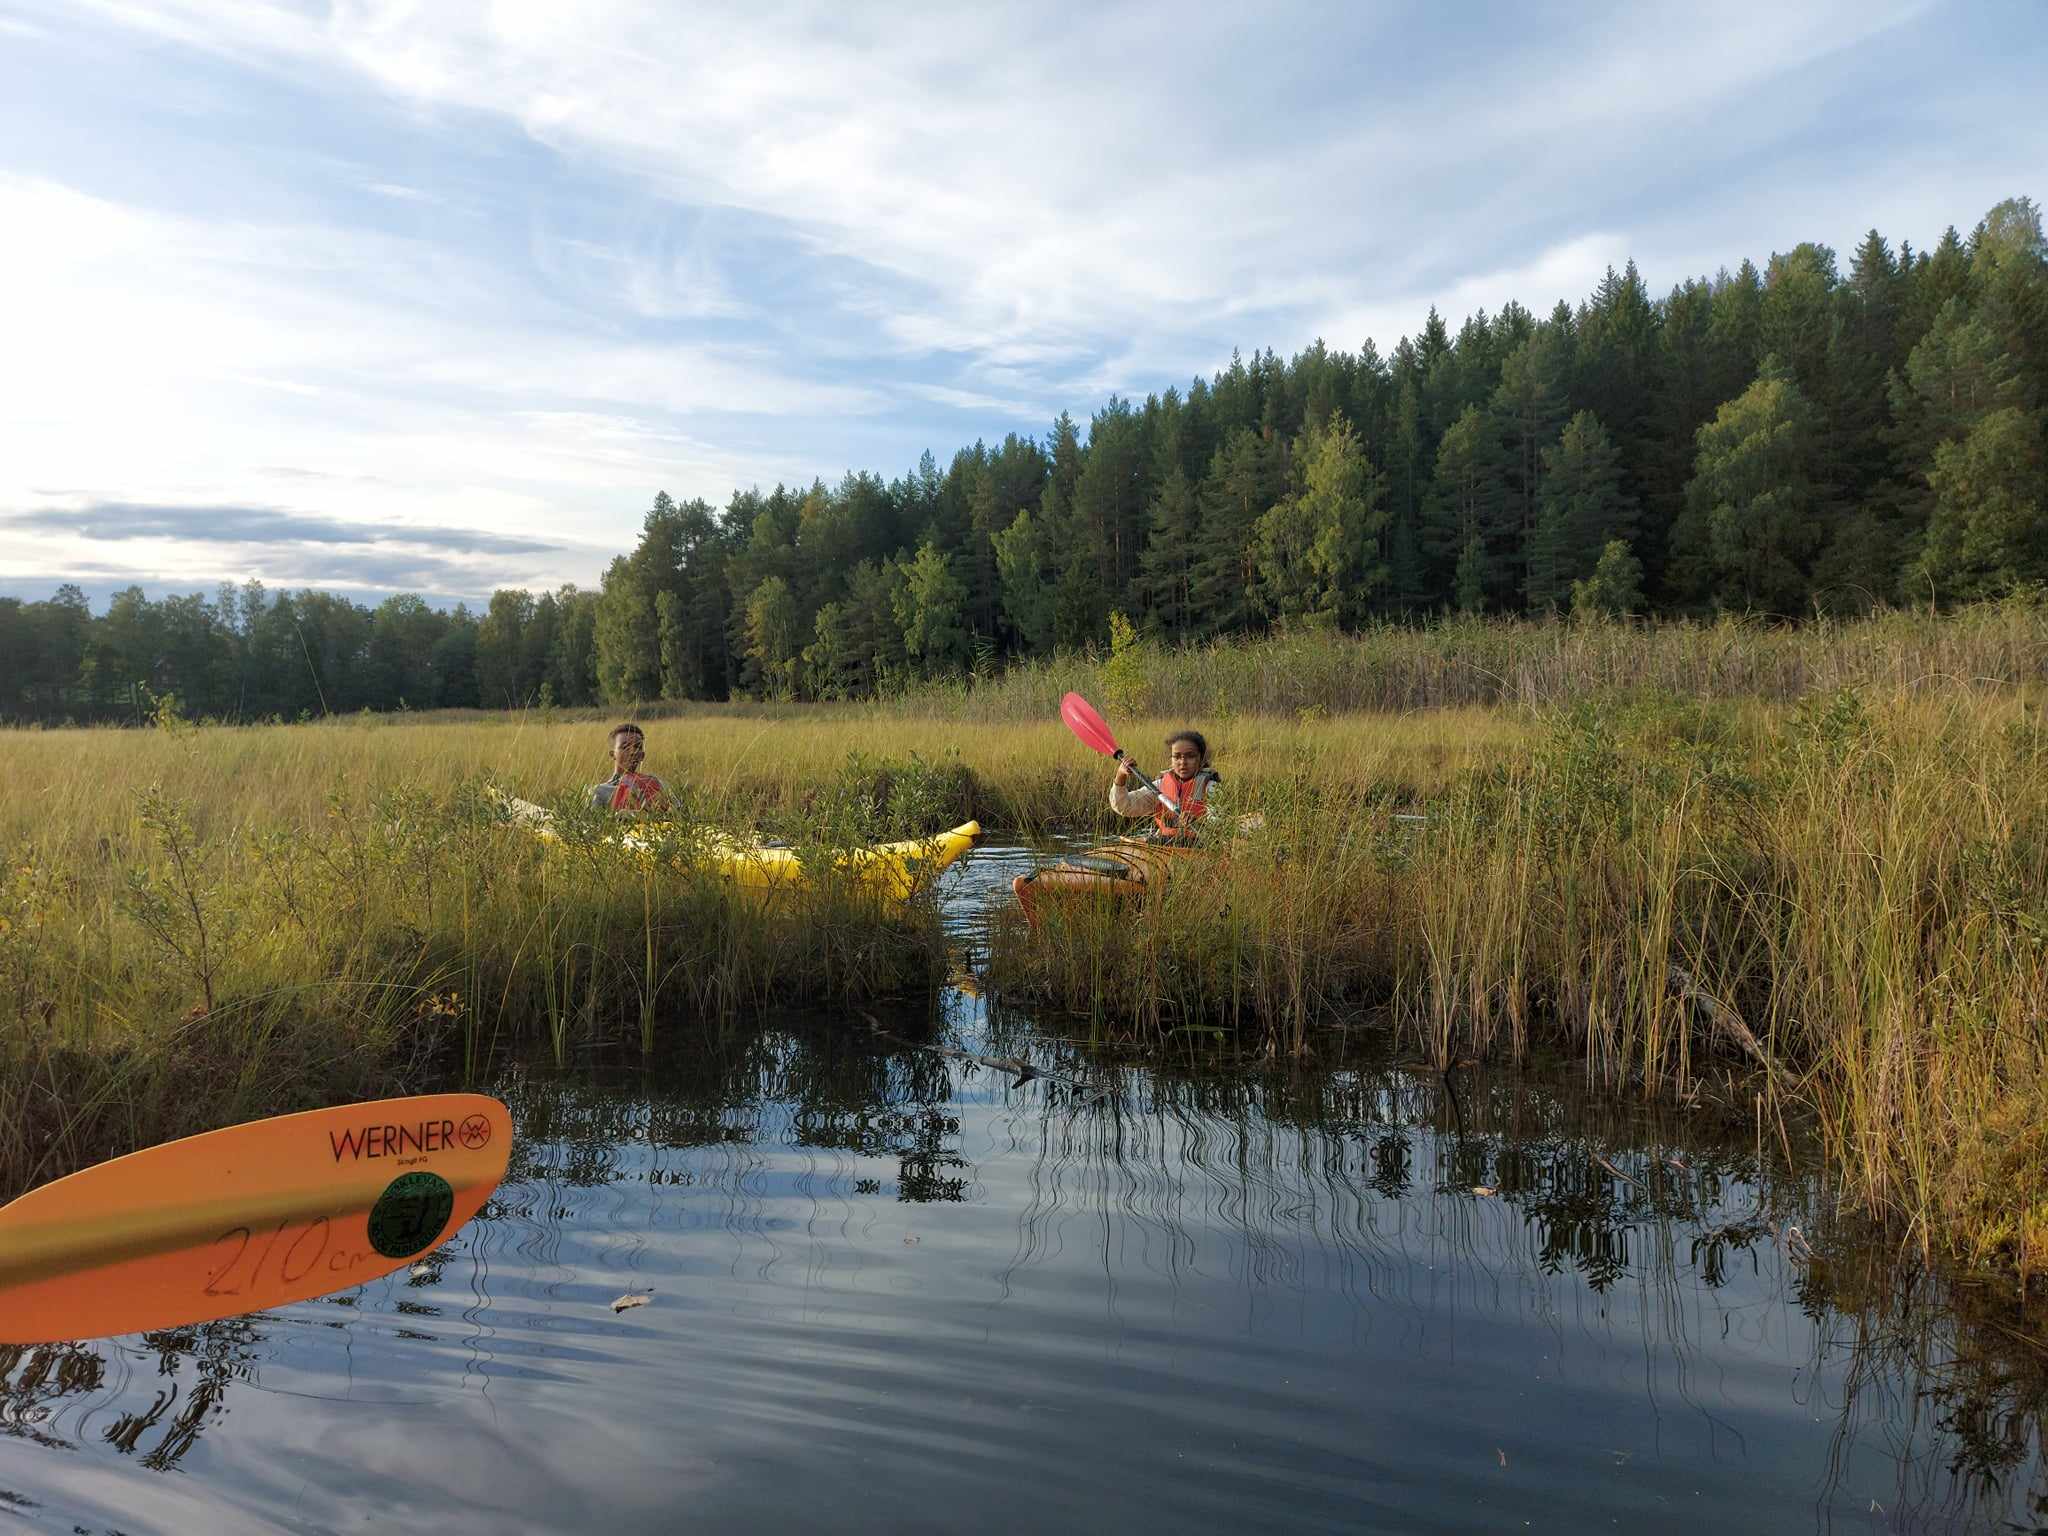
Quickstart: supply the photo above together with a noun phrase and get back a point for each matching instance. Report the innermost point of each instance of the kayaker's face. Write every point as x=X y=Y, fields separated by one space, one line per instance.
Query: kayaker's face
x=627 y=750
x=1185 y=759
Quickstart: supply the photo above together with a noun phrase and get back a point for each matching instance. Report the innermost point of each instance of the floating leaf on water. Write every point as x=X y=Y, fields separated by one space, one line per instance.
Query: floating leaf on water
x=1614 y=1170
x=632 y=1301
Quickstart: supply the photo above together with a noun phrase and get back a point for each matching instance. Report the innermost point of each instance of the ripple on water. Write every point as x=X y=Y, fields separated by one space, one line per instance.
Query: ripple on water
x=891 y=1293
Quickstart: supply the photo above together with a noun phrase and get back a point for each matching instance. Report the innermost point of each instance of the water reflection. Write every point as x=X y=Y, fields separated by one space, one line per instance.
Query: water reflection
x=897 y=1285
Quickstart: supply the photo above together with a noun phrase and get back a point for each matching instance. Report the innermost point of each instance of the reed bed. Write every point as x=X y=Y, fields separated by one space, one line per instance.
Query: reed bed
x=199 y=925
x=205 y=923
x=1838 y=912
x=1464 y=662
x=1798 y=871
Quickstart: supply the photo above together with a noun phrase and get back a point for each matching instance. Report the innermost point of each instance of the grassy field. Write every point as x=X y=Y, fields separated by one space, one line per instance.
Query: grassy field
x=1792 y=873
x=1837 y=910
x=199 y=923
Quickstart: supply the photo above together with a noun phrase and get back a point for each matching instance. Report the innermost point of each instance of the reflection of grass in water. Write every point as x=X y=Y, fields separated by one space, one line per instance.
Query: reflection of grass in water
x=1292 y=1162
x=1850 y=898
x=1595 y=1190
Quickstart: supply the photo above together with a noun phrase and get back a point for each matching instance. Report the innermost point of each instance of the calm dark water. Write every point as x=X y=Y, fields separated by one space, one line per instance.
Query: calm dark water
x=893 y=1289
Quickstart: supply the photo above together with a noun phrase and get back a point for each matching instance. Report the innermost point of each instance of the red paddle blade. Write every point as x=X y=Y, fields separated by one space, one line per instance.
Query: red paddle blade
x=1085 y=723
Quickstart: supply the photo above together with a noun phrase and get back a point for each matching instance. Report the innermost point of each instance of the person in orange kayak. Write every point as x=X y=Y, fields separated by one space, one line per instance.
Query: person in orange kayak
x=1182 y=799
x=628 y=789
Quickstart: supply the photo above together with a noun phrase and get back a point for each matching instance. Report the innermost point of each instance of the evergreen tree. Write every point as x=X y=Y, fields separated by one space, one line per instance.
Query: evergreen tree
x=1617 y=355
x=1109 y=499
x=930 y=607
x=774 y=654
x=1685 y=401
x=1867 y=538
x=1584 y=509
x=500 y=649
x=628 y=640
x=1735 y=332
x=1750 y=505
x=1415 y=582
x=1467 y=514
x=1615 y=589
x=1245 y=478
x=1989 y=530
x=875 y=636
x=672 y=642
x=984 y=587
x=400 y=657
x=1024 y=570
x=1167 y=567
x=1954 y=377
x=2009 y=266
x=1942 y=276
x=572 y=657
x=832 y=668
x=1796 y=318
x=1318 y=549
x=453 y=666
x=1530 y=405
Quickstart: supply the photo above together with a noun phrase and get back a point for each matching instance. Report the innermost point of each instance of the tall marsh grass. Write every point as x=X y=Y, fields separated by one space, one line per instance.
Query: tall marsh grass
x=1846 y=903
x=1465 y=662
x=204 y=924
x=1803 y=871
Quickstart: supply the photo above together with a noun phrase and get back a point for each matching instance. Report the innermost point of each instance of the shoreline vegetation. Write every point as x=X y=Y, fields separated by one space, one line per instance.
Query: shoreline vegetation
x=1815 y=437
x=1801 y=874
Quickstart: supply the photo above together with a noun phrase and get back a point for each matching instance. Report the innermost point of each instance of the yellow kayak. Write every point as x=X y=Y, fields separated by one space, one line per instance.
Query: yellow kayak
x=892 y=872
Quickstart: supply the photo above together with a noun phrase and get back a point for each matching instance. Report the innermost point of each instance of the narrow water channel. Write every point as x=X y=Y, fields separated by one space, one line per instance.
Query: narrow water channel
x=891 y=1287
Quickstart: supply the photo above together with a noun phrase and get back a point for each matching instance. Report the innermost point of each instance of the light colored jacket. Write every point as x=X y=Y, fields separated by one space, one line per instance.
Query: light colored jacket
x=1140 y=801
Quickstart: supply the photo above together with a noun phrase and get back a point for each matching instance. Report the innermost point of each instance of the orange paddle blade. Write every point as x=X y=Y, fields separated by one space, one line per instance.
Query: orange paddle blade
x=246 y=1218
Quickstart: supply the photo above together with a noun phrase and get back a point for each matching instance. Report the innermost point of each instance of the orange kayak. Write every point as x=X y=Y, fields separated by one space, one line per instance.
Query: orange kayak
x=1127 y=871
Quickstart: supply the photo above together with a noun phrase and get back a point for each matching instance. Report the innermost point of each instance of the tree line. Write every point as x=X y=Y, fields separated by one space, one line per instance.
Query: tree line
x=1790 y=440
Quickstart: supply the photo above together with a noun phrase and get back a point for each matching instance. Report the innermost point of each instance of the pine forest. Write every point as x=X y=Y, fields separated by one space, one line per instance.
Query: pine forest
x=1809 y=437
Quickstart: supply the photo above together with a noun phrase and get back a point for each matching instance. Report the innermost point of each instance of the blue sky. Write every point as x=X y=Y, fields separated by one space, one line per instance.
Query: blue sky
x=435 y=296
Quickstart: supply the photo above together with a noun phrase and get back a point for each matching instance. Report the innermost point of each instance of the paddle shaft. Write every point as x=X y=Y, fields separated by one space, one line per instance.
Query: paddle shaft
x=1086 y=723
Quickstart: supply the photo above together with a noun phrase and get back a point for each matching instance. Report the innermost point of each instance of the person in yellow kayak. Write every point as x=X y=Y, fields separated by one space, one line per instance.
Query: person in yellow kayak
x=1182 y=799
x=628 y=789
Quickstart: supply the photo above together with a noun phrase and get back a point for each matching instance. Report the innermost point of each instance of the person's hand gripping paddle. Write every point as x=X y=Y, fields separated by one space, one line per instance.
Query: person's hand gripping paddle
x=1095 y=734
x=247 y=1218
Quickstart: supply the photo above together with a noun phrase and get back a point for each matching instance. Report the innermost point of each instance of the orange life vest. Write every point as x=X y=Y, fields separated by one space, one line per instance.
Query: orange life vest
x=1189 y=800
x=636 y=792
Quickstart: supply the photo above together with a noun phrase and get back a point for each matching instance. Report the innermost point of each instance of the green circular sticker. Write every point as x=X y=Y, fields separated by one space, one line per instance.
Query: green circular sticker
x=410 y=1214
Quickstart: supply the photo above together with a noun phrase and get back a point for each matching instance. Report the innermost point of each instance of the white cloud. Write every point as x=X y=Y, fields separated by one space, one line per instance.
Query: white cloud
x=159 y=357
x=972 y=400
x=980 y=209
x=1032 y=179
x=1568 y=271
